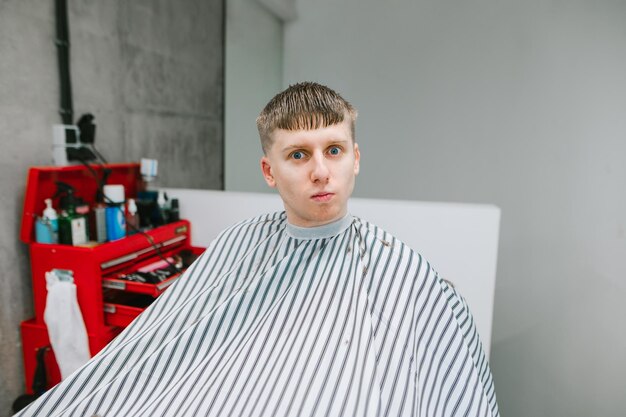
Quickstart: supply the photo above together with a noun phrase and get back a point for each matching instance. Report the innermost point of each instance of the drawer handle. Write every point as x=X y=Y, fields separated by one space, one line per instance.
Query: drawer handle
x=116 y=285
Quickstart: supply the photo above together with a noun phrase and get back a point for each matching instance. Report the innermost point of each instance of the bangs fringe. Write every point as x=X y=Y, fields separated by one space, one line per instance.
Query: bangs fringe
x=309 y=120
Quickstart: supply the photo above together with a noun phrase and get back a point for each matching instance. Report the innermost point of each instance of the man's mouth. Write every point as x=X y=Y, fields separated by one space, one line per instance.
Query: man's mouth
x=322 y=197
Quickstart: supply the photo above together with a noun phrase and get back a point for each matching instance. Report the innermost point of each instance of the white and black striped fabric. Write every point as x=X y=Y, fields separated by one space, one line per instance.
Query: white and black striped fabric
x=276 y=320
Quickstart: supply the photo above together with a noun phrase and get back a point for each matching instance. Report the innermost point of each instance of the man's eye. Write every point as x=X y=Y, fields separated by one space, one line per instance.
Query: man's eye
x=335 y=150
x=297 y=155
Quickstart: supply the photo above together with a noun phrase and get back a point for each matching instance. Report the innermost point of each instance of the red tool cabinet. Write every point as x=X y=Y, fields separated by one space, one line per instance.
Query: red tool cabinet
x=107 y=303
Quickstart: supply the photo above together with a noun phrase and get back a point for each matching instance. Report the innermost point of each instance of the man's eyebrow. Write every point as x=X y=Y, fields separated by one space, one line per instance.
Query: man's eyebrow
x=291 y=147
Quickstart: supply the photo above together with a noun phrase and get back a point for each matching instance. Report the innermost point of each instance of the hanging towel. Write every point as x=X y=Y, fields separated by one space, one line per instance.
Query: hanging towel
x=66 y=328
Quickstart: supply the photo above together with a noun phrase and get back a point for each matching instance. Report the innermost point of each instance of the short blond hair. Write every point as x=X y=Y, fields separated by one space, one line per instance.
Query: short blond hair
x=303 y=106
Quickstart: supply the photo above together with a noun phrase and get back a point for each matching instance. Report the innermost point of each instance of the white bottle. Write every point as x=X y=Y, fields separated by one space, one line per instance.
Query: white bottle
x=132 y=220
x=163 y=208
x=49 y=212
x=51 y=219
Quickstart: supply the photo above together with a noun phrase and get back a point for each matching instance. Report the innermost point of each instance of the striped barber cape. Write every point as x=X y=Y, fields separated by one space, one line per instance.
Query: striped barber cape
x=277 y=320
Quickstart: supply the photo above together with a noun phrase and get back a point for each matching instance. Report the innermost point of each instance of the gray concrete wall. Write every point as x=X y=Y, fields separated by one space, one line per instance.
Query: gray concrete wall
x=151 y=71
x=254 y=63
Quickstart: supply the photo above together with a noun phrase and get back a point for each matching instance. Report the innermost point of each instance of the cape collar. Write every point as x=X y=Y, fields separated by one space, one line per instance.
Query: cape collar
x=320 y=232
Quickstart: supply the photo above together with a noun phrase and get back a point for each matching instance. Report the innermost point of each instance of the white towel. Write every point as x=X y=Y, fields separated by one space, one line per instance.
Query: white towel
x=66 y=328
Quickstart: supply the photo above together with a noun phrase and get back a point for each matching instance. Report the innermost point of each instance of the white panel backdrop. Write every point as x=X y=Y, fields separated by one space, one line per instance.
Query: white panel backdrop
x=459 y=240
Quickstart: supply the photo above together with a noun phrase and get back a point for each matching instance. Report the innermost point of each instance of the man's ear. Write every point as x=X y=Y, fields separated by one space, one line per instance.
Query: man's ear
x=357 y=159
x=266 y=169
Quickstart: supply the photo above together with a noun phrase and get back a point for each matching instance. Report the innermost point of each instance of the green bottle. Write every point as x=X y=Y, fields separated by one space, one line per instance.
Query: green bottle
x=73 y=227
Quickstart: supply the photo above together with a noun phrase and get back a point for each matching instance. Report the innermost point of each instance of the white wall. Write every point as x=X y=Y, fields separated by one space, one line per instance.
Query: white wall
x=253 y=62
x=521 y=104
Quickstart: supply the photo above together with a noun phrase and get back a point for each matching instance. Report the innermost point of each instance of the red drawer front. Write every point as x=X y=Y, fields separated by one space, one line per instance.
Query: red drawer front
x=120 y=315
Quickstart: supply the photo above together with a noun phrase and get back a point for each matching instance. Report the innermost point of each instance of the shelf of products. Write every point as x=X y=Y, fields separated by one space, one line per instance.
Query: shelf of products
x=108 y=275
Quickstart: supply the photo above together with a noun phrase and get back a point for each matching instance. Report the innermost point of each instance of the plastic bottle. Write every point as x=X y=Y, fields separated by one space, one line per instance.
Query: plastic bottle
x=100 y=221
x=115 y=216
x=47 y=226
x=163 y=208
x=50 y=214
x=174 y=211
x=99 y=224
x=132 y=219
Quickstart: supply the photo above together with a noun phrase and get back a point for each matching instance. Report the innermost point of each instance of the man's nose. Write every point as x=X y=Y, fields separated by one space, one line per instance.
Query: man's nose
x=319 y=171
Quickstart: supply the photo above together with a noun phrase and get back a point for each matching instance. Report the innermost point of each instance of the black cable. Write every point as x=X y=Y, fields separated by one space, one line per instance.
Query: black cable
x=98 y=154
x=63 y=51
x=93 y=172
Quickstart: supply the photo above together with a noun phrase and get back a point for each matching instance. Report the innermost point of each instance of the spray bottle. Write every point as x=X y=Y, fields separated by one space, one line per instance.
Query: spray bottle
x=72 y=225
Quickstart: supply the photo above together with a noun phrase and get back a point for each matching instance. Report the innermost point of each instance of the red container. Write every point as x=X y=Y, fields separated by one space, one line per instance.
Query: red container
x=41 y=184
x=94 y=266
x=35 y=337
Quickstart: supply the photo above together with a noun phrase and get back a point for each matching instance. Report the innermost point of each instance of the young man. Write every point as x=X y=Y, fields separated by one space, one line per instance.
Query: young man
x=306 y=312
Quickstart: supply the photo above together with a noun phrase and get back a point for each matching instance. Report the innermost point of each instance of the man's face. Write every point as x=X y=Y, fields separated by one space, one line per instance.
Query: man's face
x=313 y=171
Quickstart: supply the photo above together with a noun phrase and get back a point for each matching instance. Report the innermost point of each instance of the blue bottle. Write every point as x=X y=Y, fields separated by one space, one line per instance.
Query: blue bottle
x=114 y=212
